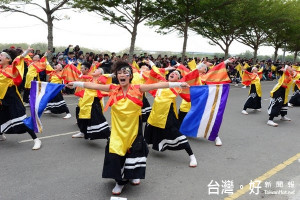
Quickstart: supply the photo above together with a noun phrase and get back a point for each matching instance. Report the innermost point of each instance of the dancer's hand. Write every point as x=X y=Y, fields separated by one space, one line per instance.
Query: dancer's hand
x=184 y=85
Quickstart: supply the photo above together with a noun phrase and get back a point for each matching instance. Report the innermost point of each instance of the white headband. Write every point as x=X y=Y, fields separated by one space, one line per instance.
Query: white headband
x=6 y=55
x=177 y=73
x=253 y=68
x=102 y=72
x=126 y=69
x=59 y=65
x=203 y=65
x=286 y=66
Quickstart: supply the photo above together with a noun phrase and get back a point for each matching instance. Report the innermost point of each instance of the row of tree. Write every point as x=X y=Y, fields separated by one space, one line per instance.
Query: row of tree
x=254 y=23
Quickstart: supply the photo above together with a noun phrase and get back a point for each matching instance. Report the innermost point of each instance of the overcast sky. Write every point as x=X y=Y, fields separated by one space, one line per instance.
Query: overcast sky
x=88 y=30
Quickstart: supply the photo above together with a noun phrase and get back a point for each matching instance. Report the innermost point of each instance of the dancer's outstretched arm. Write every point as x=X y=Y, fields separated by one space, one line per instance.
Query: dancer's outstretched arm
x=89 y=85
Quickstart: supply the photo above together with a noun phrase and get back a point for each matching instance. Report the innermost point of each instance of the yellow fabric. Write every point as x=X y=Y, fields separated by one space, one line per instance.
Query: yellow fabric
x=125 y=123
x=79 y=66
x=192 y=64
x=55 y=79
x=85 y=103
x=31 y=74
x=185 y=106
x=49 y=68
x=273 y=68
x=161 y=106
x=246 y=66
x=239 y=69
x=278 y=85
x=21 y=67
x=297 y=68
x=109 y=79
x=134 y=64
x=137 y=79
x=257 y=84
x=4 y=84
x=93 y=68
x=156 y=70
x=297 y=77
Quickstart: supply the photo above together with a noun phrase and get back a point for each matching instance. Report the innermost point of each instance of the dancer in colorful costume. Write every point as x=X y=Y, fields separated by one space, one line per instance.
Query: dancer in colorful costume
x=295 y=99
x=279 y=95
x=126 y=151
x=90 y=119
x=57 y=105
x=12 y=110
x=252 y=78
x=37 y=65
x=162 y=129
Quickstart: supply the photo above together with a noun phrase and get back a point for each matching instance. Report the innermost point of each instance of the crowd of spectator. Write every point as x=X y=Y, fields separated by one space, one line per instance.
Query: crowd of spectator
x=74 y=55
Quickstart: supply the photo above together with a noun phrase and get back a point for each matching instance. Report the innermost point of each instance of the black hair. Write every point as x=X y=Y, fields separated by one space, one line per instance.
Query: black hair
x=119 y=65
x=19 y=51
x=278 y=69
x=76 y=48
x=142 y=64
x=249 y=69
x=86 y=65
x=12 y=53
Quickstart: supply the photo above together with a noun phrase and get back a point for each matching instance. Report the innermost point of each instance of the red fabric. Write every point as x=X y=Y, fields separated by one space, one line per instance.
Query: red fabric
x=70 y=73
x=116 y=93
x=247 y=78
x=216 y=75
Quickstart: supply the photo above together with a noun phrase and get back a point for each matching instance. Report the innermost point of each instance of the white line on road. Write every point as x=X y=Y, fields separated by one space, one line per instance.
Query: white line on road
x=51 y=136
x=70 y=104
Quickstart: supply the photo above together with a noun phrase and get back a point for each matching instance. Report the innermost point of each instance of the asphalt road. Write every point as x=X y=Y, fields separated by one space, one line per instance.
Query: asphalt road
x=66 y=168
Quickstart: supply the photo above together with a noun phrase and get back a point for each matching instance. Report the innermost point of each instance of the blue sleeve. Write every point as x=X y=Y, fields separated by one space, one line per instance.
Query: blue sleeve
x=66 y=51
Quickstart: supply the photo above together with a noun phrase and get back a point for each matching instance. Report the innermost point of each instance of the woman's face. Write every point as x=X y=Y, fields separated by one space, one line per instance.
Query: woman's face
x=202 y=70
x=97 y=72
x=84 y=70
x=58 y=67
x=124 y=75
x=36 y=58
x=3 y=59
x=174 y=76
x=144 y=68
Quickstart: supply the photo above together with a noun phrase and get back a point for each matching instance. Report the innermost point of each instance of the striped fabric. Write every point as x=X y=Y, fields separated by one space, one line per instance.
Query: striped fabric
x=206 y=114
x=40 y=94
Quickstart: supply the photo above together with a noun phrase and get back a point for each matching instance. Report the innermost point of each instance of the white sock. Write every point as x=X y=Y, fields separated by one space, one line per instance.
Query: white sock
x=193 y=161
x=117 y=189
